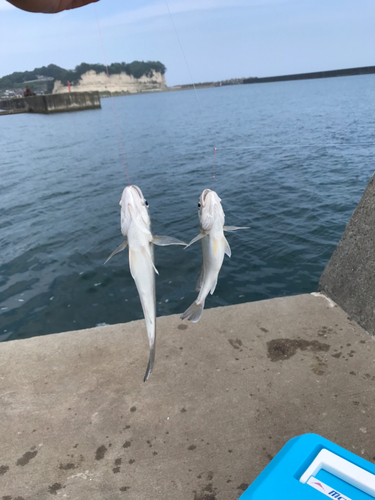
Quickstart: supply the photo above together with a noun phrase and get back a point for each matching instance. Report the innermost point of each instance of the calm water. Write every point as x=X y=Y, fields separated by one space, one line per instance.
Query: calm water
x=292 y=162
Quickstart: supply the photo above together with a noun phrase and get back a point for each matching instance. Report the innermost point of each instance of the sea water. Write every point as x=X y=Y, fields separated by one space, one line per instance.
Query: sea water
x=292 y=162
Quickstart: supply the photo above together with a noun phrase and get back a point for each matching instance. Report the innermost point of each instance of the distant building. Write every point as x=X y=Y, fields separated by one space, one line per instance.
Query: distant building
x=9 y=93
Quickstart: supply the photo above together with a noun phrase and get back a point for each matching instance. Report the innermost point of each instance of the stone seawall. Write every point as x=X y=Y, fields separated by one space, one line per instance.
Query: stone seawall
x=74 y=101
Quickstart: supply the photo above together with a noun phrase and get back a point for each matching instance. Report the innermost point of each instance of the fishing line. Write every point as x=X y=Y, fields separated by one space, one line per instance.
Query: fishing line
x=213 y=175
x=191 y=78
x=112 y=98
x=183 y=53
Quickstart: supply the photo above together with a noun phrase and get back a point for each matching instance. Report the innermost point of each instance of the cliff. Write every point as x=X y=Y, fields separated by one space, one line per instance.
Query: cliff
x=124 y=83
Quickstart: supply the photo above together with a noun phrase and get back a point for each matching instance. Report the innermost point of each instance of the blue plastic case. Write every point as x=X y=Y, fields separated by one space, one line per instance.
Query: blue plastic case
x=310 y=467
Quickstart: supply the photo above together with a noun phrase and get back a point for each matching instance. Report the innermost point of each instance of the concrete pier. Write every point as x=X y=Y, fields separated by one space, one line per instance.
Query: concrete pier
x=349 y=277
x=53 y=103
x=78 y=422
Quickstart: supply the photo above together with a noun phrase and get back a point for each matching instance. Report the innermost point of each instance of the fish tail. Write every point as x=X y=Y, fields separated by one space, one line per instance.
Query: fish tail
x=151 y=361
x=194 y=312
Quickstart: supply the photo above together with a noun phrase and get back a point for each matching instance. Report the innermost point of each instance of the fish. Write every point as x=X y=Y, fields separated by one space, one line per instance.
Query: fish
x=214 y=247
x=136 y=228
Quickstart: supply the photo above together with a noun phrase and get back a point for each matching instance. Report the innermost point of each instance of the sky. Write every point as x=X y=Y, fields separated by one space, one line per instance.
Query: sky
x=199 y=41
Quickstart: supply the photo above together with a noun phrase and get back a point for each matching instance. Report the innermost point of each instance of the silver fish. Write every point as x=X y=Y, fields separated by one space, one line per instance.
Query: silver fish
x=136 y=227
x=214 y=246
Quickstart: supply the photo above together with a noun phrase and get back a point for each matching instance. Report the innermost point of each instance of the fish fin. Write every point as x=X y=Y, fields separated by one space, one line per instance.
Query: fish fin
x=164 y=241
x=200 y=280
x=197 y=238
x=194 y=312
x=233 y=228
x=132 y=259
x=150 y=365
x=123 y=245
x=213 y=287
x=148 y=256
x=227 y=248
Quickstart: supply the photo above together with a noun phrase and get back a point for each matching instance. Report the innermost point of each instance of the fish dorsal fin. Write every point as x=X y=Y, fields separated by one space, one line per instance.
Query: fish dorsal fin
x=233 y=228
x=227 y=247
x=197 y=238
x=118 y=249
x=164 y=241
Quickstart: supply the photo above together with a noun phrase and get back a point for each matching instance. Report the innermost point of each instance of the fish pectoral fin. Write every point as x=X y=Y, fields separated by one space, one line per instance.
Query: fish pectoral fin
x=233 y=228
x=227 y=249
x=163 y=241
x=148 y=256
x=118 y=249
x=197 y=238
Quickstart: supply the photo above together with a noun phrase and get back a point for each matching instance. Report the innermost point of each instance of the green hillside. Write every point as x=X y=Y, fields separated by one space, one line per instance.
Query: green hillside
x=19 y=79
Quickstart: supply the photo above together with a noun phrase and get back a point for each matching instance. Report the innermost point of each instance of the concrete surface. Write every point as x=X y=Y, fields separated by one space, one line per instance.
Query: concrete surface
x=12 y=112
x=73 y=101
x=227 y=393
x=349 y=277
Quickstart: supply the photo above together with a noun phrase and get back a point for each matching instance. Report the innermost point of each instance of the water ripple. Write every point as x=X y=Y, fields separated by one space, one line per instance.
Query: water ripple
x=292 y=162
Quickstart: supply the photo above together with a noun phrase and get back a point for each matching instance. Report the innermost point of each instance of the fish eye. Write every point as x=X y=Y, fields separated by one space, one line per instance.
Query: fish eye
x=199 y=205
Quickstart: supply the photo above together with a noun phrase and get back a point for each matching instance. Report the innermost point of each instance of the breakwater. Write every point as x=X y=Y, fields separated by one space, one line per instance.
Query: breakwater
x=74 y=101
x=365 y=70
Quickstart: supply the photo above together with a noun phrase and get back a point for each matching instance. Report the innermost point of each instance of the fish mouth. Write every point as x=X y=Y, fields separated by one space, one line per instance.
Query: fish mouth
x=141 y=197
x=132 y=194
x=134 y=209
x=204 y=196
x=210 y=209
x=138 y=191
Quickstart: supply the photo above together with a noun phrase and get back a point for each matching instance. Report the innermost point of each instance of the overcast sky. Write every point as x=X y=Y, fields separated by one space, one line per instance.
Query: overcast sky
x=221 y=39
